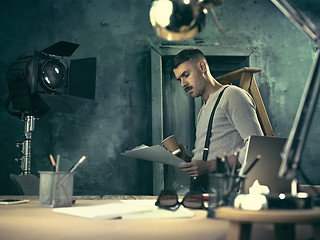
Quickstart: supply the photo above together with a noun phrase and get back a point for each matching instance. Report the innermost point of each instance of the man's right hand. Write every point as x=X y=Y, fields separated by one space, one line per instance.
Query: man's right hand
x=197 y=168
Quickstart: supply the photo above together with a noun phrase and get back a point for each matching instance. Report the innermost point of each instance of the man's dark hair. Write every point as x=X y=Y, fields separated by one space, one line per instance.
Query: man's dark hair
x=186 y=55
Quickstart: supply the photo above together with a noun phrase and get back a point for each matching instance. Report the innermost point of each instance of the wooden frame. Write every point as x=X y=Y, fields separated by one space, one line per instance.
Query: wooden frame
x=248 y=83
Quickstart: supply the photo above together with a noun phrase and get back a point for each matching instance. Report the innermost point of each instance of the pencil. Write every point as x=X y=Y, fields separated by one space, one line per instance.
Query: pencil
x=53 y=162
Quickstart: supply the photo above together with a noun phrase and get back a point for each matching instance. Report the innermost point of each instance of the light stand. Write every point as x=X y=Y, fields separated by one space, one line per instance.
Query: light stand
x=40 y=82
x=25 y=164
x=292 y=151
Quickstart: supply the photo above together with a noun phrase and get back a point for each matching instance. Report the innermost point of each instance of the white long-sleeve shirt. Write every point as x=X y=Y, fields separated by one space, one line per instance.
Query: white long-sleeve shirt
x=235 y=120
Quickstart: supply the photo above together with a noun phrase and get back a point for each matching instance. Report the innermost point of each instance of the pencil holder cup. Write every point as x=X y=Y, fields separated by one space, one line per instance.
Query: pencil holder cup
x=223 y=189
x=56 y=189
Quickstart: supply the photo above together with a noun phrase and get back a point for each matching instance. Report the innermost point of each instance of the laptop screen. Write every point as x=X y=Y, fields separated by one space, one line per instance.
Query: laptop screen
x=267 y=168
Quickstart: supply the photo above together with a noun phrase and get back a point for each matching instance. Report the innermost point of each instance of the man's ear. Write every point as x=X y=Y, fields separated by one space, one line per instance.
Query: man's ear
x=203 y=66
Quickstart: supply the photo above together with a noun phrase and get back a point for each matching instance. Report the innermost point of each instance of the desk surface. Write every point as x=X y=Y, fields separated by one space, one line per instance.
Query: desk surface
x=30 y=221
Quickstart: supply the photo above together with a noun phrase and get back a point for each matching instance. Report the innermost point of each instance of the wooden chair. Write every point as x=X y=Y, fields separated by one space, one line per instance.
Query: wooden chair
x=248 y=83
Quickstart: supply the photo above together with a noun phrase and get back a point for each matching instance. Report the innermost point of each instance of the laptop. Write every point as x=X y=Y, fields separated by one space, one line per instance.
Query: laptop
x=267 y=168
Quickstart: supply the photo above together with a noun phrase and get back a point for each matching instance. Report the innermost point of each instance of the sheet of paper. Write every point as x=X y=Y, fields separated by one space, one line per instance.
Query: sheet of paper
x=154 y=153
x=105 y=211
x=126 y=209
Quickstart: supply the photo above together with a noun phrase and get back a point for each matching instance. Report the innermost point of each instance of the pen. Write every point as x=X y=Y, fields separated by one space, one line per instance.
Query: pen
x=72 y=169
x=58 y=163
x=242 y=168
x=78 y=163
x=234 y=166
x=252 y=164
x=226 y=163
x=235 y=179
x=56 y=179
x=235 y=185
x=220 y=167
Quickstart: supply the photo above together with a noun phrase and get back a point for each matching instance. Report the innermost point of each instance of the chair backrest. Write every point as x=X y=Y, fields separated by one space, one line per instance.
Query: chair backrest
x=248 y=83
x=26 y=184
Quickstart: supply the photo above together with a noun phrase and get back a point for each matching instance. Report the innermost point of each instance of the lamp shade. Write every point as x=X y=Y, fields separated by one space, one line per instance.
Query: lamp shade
x=176 y=20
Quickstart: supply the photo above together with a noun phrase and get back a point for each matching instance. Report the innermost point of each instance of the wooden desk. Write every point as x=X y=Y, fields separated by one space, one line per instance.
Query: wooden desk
x=284 y=221
x=30 y=221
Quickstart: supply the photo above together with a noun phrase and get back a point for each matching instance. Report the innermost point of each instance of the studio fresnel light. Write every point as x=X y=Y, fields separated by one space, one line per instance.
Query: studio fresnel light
x=45 y=80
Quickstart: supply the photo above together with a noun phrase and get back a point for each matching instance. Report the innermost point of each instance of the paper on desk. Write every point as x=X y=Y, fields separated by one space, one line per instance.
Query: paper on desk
x=105 y=211
x=154 y=153
x=126 y=209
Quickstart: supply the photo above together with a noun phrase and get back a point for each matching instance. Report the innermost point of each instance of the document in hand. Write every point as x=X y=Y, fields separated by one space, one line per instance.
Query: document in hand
x=154 y=153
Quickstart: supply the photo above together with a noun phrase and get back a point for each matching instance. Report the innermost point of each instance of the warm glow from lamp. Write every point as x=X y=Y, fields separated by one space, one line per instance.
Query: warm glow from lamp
x=176 y=19
x=161 y=12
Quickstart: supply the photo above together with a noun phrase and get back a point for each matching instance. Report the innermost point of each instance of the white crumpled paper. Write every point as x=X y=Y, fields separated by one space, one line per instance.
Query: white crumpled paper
x=256 y=188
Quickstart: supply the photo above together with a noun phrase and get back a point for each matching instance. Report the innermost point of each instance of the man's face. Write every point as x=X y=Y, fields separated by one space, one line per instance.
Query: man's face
x=191 y=78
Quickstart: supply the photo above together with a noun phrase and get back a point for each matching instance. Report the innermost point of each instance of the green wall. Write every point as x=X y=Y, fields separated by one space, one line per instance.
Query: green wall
x=119 y=35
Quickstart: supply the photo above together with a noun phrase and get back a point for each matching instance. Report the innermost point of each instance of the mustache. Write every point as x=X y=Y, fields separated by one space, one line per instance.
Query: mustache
x=187 y=88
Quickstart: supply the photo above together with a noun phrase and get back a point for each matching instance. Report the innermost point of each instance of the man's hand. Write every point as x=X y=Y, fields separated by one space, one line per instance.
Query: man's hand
x=183 y=155
x=197 y=167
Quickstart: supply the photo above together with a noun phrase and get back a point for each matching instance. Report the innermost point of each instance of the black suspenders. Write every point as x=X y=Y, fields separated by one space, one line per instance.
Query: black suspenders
x=207 y=142
x=200 y=184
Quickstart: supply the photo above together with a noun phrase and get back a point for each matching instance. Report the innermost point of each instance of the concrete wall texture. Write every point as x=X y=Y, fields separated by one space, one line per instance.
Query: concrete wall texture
x=119 y=35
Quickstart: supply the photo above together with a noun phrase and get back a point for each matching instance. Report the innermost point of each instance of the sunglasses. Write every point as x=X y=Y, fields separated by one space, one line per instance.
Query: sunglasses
x=168 y=199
